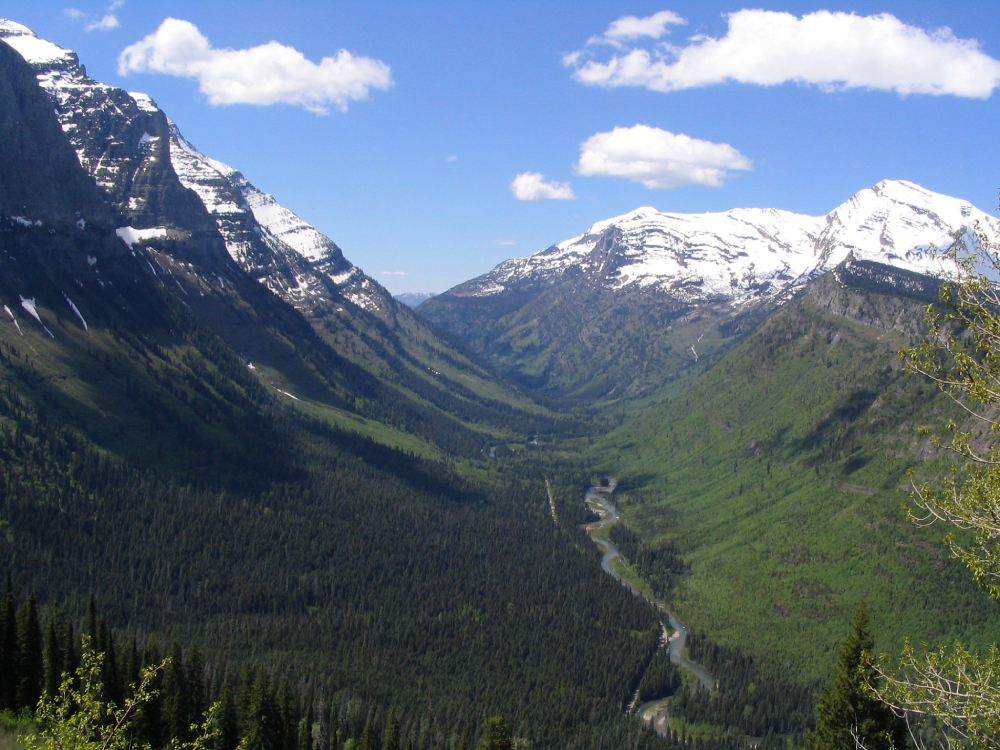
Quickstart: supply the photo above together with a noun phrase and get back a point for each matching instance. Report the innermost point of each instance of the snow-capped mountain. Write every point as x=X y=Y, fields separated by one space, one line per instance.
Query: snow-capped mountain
x=638 y=300
x=747 y=254
x=127 y=144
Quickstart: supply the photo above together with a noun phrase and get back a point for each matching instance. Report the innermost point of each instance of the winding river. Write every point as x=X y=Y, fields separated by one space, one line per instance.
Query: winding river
x=655 y=711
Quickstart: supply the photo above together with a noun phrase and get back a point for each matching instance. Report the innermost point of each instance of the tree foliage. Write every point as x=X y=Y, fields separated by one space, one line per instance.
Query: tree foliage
x=950 y=697
x=79 y=715
x=848 y=716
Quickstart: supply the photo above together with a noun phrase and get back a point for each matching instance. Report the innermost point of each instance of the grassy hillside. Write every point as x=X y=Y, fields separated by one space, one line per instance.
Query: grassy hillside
x=779 y=477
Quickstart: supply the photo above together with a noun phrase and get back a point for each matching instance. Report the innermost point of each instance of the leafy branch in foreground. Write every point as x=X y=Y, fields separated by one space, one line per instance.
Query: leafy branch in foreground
x=950 y=697
x=80 y=716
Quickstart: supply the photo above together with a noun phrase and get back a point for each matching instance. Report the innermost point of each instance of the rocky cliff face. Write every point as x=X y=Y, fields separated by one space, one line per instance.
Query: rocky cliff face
x=274 y=288
x=155 y=178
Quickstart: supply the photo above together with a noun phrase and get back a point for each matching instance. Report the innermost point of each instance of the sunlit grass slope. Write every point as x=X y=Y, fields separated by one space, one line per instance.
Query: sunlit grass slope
x=781 y=477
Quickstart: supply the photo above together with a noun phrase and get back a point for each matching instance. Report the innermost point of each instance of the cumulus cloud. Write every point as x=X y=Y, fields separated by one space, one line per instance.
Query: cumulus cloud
x=268 y=74
x=831 y=50
x=630 y=28
x=531 y=186
x=658 y=158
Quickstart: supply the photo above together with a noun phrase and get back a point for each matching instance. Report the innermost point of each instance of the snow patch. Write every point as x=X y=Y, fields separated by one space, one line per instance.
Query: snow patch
x=287 y=394
x=81 y=224
x=29 y=305
x=134 y=236
x=35 y=51
x=144 y=101
x=77 y=311
x=16 y=325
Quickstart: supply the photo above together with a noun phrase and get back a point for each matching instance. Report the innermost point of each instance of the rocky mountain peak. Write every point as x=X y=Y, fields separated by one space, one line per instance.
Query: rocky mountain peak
x=747 y=254
x=157 y=180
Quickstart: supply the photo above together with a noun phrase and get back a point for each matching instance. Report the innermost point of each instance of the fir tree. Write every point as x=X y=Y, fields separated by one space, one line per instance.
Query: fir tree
x=8 y=649
x=495 y=735
x=847 y=715
x=53 y=654
x=391 y=732
x=30 y=661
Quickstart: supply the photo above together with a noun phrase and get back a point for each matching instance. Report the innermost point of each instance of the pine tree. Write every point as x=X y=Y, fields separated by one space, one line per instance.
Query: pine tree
x=8 y=649
x=391 y=732
x=847 y=715
x=30 y=660
x=495 y=735
x=305 y=739
x=229 y=722
x=368 y=734
x=53 y=654
x=176 y=714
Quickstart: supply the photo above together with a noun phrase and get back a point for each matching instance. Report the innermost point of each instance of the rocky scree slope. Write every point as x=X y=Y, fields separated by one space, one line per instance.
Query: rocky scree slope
x=638 y=300
x=213 y=236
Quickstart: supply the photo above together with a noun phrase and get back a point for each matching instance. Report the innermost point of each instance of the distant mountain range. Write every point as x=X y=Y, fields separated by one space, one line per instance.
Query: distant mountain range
x=413 y=300
x=556 y=320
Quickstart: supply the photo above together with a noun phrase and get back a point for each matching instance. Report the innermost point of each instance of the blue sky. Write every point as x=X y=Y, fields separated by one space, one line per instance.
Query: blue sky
x=414 y=182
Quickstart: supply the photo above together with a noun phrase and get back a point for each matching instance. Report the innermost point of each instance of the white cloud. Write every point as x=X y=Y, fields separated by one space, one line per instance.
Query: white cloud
x=394 y=273
x=504 y=243
x=831 y=50
x=658 y=158
x=105 y=23
x=451 y=158
x=268 y=74
x=531 y=186
x=629 y=28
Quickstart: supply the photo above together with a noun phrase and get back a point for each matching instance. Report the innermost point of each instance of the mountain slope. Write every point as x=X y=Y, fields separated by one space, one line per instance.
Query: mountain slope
x=615 y=312
x=221 y=245
x=143 y=461
x=779 y=476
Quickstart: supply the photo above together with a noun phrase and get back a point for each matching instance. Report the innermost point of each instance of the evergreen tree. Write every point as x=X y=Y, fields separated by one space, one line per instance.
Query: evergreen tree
x=264 y=726
x=391 y=731
x=176 y=714
x=847 y=715
x=495 y=735
x=92 y=621
x=195 y=670
x=305 y=739
x=110 y=676
x=368 y=734
x=8 y=649
x=53 y=654
x=71 y=661
x=229 y=723
x=30 y=660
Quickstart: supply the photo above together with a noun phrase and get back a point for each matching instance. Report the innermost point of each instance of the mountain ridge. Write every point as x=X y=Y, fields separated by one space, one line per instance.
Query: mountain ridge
x=212 y=236
x=746 y=254
x=628 y=310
